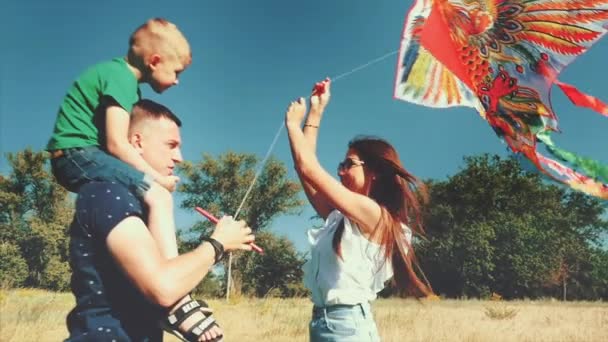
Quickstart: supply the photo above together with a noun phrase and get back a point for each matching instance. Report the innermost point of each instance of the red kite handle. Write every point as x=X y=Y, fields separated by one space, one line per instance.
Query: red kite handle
x=214 y=220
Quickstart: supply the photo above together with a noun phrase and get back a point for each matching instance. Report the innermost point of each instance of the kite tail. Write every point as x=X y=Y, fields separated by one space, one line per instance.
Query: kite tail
x=593 y=178
x=574 y=179
x=590 y=167
x=581 y=99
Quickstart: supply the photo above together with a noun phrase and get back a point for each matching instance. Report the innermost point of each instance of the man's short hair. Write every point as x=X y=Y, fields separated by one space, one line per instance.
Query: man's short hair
x=145 y=109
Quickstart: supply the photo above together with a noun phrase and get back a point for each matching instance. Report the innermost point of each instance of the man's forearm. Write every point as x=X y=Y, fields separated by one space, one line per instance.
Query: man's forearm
x=186 y=271
x=163 y=281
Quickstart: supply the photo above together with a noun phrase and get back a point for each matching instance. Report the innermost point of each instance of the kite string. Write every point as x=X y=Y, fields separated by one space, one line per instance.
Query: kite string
x=363 y=66
x=259 y=171
x=278 y=133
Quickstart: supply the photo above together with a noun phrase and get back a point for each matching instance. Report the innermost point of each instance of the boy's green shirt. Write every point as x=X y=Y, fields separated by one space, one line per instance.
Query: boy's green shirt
x=81 y=118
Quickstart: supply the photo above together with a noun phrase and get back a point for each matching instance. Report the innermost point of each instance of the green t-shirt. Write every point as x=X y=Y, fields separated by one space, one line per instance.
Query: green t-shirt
x=81 y=120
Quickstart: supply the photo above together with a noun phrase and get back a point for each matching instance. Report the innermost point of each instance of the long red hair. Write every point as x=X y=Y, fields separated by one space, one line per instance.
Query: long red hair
x=400 y=196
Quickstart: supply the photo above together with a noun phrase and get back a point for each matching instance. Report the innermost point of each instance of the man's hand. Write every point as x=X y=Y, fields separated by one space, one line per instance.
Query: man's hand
x=233 y=234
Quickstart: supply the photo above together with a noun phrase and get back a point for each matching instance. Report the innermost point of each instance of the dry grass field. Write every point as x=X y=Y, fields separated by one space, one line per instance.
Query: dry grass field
x=33 y=315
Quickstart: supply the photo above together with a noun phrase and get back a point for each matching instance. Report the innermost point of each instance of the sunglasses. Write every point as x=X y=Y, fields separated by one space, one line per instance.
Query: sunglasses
x=347 y=163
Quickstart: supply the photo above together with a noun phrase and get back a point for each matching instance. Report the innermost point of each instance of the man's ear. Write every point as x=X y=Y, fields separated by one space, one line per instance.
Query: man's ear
x=136 y=141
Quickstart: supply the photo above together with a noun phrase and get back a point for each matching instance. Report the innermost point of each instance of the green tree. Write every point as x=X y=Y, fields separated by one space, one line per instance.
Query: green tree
x=598 y=274
x=220 y=184
x=278 y=272
x=35 y=213
x=210 y=287
x=13 y=268
x=494 y=227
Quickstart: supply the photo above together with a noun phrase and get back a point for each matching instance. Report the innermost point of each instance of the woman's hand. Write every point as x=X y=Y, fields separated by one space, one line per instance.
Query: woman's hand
x=295 y=112
x=320 y=96
x=233 y=234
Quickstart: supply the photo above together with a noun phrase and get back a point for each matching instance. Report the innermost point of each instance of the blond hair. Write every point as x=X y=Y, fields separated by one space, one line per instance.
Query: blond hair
x=158 y=36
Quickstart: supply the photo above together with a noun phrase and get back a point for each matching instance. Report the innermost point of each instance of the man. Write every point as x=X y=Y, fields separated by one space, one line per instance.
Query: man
x=122 y=284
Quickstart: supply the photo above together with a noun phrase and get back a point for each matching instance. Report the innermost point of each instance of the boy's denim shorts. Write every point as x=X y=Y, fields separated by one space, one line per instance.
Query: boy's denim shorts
x=343 y=323
x=80 y=165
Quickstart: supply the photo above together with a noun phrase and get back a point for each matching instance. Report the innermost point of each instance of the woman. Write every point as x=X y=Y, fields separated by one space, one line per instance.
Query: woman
x=365 y=240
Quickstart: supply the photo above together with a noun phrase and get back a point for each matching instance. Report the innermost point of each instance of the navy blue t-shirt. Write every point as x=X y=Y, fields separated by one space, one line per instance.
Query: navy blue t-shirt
x=108 y=306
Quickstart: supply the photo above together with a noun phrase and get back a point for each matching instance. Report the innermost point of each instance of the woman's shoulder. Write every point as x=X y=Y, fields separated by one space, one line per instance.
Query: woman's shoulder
x=334 y=215
x=407 y=232
x=331 y=222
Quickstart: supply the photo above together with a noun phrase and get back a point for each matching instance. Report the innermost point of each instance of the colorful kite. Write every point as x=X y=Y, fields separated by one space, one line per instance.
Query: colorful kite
x=501 y=57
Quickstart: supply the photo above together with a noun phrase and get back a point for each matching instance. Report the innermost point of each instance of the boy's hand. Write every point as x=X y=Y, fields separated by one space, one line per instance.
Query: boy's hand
x=168 y=182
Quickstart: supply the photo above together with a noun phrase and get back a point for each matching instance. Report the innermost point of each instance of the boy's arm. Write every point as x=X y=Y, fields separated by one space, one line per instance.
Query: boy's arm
x=117 y=131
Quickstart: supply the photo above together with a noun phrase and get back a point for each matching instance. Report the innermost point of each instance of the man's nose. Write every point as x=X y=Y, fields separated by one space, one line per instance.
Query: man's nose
x=177 y=156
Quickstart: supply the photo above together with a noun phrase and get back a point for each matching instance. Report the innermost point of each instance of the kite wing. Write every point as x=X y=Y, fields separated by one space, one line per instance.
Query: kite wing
x=420 y=77
x=502 y=57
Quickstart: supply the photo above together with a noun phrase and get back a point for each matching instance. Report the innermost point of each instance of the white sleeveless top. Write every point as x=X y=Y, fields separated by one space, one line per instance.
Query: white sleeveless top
x=356 y=277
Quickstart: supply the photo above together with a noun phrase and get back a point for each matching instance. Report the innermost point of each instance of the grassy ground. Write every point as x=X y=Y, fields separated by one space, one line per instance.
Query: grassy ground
x=32 y=315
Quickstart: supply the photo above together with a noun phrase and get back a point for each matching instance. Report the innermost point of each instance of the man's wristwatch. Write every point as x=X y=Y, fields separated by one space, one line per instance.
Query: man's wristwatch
x=217 y=246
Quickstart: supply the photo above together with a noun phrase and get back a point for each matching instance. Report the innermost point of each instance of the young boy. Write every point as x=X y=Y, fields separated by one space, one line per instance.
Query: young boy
x=89 y=141
x=90 y=133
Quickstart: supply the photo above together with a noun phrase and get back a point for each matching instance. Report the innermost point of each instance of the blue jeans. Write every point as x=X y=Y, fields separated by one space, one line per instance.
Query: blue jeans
x=343 y=323
x=81 y=165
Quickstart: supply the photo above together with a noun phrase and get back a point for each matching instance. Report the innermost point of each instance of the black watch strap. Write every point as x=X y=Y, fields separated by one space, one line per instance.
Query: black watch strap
x=217 y=246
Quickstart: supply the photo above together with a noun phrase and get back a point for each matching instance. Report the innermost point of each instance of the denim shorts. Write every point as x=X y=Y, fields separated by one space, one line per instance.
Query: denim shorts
x=343 y=323
x=80 y=165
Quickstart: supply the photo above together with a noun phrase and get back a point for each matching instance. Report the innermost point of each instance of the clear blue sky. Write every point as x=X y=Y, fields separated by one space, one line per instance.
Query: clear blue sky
x=250 y=58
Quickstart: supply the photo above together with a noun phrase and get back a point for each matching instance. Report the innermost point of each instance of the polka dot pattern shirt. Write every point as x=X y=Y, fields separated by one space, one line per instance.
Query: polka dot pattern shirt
x=108 y=306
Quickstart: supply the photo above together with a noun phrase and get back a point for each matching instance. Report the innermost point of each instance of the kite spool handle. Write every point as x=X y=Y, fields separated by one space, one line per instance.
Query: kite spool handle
x=214 y=220
x=319 y=88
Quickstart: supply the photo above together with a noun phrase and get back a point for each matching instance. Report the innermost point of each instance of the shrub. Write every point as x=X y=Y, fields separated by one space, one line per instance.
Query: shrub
x=13 y=268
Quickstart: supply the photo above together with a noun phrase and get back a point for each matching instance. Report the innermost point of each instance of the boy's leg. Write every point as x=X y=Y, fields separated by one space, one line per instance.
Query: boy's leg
x=161 y=222
x=162 y=227
x=191 y=321
x=76 y=166
x=87 y=164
